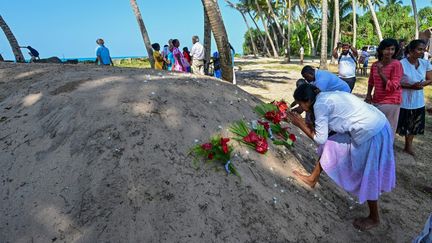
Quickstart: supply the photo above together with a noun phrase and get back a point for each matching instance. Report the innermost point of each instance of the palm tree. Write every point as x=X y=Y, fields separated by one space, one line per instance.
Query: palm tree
x=236 y=6
x=219 y=32
x=264 y=42
x=207 y=42
x=354 y=6
x=415 y=18
x=12 y=40
x=276 y=20
x=259 y=13
x=144 y=33
x=324 y=25
x=289 y=12
x=375 y=20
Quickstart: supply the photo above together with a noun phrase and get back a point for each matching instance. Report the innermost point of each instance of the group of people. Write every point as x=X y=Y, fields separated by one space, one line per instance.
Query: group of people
x=356 y=137
x=172 y=59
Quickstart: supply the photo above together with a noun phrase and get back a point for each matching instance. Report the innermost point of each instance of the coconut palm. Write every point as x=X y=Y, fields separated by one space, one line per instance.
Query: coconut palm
x=276 y=21
x=415 y=18
x=219 y=32
x=12 y=40
x=370 y=6
x=264 y=42
x=207 y=42
x=236 y=6
x=354 y=27
x=324 y=26
x=144 y=33
x=260 y=13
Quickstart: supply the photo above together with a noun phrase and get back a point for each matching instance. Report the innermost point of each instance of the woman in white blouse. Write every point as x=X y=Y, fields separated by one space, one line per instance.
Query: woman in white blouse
x=359 y=157
x=417 y=74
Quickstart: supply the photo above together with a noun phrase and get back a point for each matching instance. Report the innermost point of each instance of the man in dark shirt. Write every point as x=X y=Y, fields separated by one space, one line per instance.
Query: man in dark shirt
x=33 y=53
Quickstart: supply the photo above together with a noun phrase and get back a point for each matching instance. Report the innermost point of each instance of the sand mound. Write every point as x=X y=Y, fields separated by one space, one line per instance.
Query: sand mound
x=91 y=153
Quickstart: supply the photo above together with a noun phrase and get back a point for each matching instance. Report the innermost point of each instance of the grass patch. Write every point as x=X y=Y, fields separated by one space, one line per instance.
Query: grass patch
x=132 y=62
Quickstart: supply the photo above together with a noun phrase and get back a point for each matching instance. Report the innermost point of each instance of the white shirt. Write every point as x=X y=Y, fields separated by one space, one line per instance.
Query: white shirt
x=347 y=66
x=301 y=50
x=343 y=112
x=414 y=99
x=197 y=51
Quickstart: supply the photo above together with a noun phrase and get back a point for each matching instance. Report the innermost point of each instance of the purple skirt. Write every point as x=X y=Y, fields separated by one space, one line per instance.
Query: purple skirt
x=365 y=170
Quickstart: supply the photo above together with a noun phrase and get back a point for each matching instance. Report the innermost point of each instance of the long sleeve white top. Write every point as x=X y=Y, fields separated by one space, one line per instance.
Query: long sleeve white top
x=343 y=112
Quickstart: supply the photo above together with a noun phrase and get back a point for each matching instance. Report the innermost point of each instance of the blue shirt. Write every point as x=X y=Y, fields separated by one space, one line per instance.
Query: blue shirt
x=170 y=57
x=327 y=81
x=104 y=54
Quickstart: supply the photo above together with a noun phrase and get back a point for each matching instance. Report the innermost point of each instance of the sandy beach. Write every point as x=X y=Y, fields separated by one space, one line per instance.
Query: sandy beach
x=101 y=154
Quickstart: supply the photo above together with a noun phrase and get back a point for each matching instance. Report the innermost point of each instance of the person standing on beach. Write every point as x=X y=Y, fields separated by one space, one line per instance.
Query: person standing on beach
x=159 y=61
x=385 y=78
x=180 y=64
x=197 y=55
x=102 y=54
x=347 y=61
x=301 y=55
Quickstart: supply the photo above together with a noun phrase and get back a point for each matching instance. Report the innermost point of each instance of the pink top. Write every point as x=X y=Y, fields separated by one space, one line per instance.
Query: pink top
x=177 y=66
x=392 y=92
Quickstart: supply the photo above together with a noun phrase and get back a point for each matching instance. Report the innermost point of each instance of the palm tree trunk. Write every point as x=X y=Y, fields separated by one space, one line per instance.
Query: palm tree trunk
x=275 y=19
x=354 y=6
x=337 y=23
x=275 y=53
x=333 y=60
x=324 y=11
x=12 y=40
x=312 y=44
x=264 y=43
x=219 y=32
x=415 y=18
x=275 y=36
x=207 y=42
x=375 y=20
x=144 y=33
x=288 y=53
x=254 y=48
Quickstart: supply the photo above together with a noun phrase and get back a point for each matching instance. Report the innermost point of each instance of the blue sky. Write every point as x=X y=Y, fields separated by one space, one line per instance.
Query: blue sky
x=70 y=28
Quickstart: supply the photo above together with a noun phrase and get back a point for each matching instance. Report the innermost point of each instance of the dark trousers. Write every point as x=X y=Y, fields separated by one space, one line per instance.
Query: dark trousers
x=350 y=82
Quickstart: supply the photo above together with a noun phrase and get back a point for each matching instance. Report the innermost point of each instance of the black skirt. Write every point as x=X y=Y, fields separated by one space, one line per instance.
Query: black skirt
x=411 y=121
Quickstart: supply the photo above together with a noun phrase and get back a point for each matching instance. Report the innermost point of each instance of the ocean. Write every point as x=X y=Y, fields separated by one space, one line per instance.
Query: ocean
x=83 y=59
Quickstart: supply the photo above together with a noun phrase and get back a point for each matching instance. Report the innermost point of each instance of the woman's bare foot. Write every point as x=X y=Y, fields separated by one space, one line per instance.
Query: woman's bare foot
x=305 y=178
x=366 y=223
x=409 y=151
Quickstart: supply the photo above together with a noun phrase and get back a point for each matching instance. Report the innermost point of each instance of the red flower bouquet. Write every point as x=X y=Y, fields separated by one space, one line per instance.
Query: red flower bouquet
x=256 y=140
x=217 y=150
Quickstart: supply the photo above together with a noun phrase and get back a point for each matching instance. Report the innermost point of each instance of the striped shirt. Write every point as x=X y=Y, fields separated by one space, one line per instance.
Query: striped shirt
x=392 y=92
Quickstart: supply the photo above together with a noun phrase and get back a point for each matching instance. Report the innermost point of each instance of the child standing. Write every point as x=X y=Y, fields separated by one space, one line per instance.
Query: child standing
x=158 y=59
x=186 y=55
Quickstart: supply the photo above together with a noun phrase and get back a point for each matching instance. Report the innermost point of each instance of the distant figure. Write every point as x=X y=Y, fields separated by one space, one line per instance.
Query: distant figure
x=197 y=55
x=216 y=65
x=164 y=54
x=401 y=53
x=347 y=63
x=180 y=64
x=364 y=60
x=34 y=55
x=301 y=55
x=170 y=57
x=186 y=55
x=159 y=61
x=102 y=54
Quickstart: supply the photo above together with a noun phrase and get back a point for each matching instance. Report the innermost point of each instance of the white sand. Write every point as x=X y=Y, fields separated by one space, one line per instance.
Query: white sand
x=101 y=154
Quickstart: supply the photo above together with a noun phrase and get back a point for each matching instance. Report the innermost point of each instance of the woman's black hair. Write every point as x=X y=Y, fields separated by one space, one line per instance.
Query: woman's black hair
x=156 y=46
x=413 y=45
x=305 y=93
x=387 y=43
x=175 y=41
